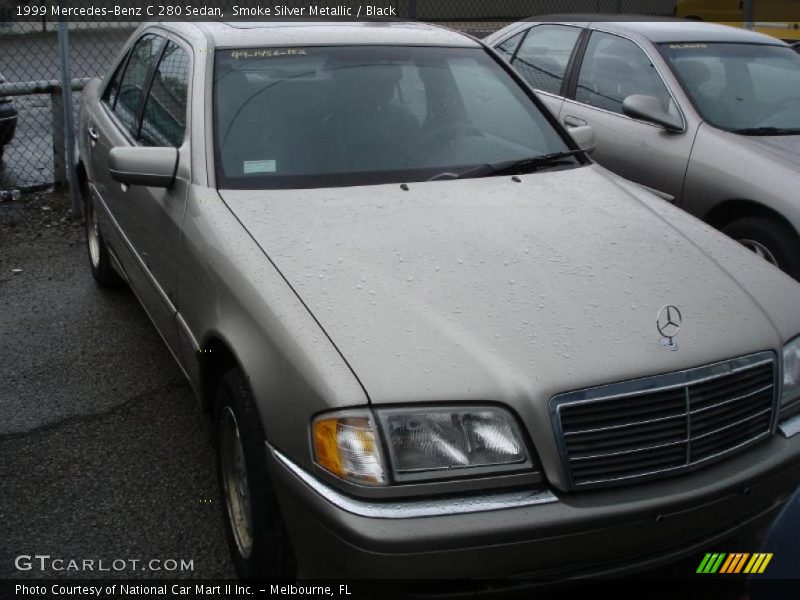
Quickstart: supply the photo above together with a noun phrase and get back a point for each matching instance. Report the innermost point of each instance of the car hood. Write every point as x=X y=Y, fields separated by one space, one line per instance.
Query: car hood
x=489 y=289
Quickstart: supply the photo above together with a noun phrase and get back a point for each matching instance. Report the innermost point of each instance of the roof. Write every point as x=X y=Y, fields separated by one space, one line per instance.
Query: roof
x=242 y=34
x=661 y=29
x=655 y=30
x=586 y=18
x=682 y=30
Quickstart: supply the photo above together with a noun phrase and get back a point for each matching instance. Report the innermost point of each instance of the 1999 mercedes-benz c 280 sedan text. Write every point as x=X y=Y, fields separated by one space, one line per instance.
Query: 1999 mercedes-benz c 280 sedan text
x=435 y=338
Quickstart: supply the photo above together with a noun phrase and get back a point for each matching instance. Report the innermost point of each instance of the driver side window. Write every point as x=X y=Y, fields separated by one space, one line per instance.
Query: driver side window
x=615 y=68
x=129 y=96
x=110 y=93
x=164 y=118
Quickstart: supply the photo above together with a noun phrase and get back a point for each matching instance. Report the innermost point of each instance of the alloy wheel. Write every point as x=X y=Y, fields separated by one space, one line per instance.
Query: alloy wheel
x=760 y=250
x=235 y=485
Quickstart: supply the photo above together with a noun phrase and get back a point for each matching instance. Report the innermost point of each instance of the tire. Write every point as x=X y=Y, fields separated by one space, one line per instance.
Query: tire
x=775 y=241
x=259 y=546
x=99 y=259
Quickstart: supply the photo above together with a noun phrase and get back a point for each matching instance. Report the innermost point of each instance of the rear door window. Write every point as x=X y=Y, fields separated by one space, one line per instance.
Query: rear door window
x=544 y=55
x=509 y=47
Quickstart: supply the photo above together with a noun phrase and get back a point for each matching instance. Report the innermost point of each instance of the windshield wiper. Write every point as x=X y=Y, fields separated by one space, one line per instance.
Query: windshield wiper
x=511 y=167
x=767 y=131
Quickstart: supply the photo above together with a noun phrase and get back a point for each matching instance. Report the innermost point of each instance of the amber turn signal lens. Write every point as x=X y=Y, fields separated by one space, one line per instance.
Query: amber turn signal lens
x=348 y=447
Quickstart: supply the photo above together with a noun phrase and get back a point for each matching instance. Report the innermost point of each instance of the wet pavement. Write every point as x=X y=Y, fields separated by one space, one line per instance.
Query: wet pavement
x=104 y=450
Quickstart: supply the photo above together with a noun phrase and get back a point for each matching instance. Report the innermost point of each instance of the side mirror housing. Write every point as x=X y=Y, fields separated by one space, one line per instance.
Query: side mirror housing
x=648 y=108
x=147 y=166
x=584 y=137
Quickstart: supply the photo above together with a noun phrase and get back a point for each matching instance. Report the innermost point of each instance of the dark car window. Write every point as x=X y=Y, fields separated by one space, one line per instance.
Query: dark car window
x=110 y=93
x=507 y=48
x=164 y=121
x=614 y=68
x=543 y=57
x=740 y=86
x=355 y=115
x=129 y=96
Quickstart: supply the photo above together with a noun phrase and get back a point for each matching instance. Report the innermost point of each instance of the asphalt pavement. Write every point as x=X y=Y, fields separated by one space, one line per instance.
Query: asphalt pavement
x=104 y=451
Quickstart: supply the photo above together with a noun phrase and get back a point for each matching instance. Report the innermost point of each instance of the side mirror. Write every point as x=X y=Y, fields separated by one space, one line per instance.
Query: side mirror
x=649 y=108
x=147 y=166
x=584 y=137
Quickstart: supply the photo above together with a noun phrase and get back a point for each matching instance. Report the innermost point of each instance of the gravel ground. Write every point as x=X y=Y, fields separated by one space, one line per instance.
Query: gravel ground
x=105 y=454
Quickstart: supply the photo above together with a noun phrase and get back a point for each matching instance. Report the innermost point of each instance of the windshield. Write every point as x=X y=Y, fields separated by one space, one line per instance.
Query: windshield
x=741 y=87
x=355 y=115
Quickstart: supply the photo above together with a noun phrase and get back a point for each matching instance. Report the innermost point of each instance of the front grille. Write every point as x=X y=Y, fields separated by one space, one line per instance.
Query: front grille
x=665 y=424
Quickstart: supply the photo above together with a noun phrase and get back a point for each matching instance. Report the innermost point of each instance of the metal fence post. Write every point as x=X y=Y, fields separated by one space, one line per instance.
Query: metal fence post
x=412 y=9
x=748 y=13
x=57 y=120
x=69 y=126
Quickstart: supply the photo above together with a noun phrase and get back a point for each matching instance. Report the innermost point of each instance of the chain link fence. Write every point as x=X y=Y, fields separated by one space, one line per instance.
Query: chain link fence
x=29 y=61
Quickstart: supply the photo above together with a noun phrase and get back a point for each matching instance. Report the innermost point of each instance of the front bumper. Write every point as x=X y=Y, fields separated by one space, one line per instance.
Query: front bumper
x=8 y=122
x=604 y=532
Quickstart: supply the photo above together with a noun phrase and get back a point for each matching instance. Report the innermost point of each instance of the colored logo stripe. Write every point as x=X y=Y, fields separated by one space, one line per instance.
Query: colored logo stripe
x=721 y=562
x=758 y=563
x=742 y=562
x=731 y=560
x=711 y=562
x=736 y=563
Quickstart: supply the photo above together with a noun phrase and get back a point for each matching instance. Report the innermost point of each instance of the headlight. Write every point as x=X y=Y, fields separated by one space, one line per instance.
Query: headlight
x=450 y=442
x=422 y=443
x=791 y=371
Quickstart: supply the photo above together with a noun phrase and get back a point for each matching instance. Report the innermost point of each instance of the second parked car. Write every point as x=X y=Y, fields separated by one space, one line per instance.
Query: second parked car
x=707 y=114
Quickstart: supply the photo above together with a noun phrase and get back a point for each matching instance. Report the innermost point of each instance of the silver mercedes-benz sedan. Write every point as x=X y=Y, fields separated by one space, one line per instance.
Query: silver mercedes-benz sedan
x=704 y=113
x=435 y=339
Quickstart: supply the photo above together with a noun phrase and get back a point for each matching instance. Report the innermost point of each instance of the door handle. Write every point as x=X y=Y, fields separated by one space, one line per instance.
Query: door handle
x=93 y=136
x=570 y=121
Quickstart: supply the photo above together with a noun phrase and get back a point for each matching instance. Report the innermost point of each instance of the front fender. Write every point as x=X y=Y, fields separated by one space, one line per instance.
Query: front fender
x=722 y=169
x=228 y=289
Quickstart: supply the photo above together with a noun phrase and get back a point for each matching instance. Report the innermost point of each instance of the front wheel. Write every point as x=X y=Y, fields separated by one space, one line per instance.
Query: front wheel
x=256 y=534
x=770 y=239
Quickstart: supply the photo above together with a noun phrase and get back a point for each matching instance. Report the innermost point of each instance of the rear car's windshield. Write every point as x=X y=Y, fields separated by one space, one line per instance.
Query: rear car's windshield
x=352 y=115
x=740 y=87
